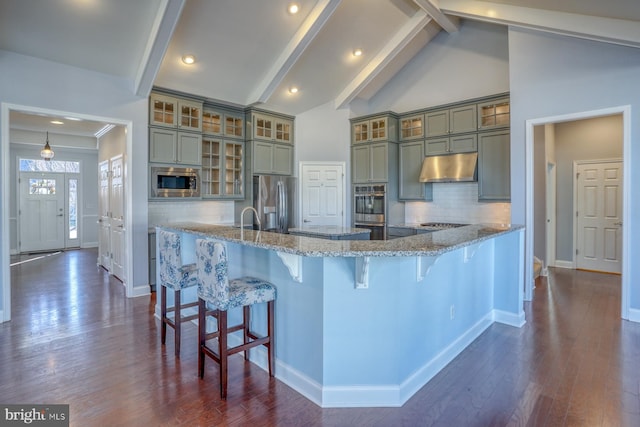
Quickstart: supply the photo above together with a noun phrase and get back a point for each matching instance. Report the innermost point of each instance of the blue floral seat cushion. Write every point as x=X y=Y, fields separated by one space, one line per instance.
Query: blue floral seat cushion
x=214 y=285
x=173 y=274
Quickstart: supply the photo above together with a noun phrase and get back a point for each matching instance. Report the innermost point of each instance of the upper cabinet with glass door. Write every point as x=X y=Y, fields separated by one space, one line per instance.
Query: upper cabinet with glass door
x=175 y=112
x=412 y=127
x=372 y=129
x=494 y=114
x=268 y=127
x=223 y=123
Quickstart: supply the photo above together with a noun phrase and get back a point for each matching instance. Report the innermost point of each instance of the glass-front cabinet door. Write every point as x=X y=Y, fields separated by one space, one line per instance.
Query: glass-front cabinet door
x=412 y=127
x=190 y=115
x=263 y=127
x=212 y=122
x=360 y=132
x=163 y=110
x=211 y=167
x=283 y=131
x=233 y=170
x=233 y=126
x=379 y=129
x=494 y=114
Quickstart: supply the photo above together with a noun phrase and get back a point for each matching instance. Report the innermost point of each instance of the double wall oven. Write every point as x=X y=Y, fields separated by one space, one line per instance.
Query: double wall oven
x=370 y=209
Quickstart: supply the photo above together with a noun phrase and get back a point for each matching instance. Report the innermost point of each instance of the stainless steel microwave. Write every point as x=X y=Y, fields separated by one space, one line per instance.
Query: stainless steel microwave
x=174 y=182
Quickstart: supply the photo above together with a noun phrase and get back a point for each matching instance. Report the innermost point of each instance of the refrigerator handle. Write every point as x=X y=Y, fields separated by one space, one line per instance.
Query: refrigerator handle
x=281 y=207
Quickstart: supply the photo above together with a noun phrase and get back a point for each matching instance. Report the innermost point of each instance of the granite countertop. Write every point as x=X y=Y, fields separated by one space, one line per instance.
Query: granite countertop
x=330 y=230
x=429 y=244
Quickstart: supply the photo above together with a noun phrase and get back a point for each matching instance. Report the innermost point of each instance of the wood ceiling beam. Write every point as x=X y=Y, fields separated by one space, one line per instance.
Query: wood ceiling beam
x=616 y=31
x=164 y=24
x=393 y=47
x=309 y=29
x=449 y=24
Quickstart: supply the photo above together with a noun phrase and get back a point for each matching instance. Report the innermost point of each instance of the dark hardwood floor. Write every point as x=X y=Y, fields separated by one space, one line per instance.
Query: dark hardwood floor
x=76 y=339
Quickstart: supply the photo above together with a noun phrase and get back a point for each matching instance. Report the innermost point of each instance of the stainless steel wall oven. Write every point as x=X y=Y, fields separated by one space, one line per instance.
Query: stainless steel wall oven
x=370 y=209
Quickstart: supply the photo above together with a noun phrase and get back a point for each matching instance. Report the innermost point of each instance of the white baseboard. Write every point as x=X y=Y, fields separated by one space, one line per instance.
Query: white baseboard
x=545 y=272
x=391 y=395
x=139 y=291
x=88 y=245
x=564 y=264
x=507 y=318
x=634 y=315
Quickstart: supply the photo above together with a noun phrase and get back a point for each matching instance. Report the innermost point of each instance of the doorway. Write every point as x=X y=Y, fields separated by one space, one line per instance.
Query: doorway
x=48 y=204
x=625 y=113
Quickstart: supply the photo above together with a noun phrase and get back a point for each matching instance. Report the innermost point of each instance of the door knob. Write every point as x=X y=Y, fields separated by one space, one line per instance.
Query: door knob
x=306 y=220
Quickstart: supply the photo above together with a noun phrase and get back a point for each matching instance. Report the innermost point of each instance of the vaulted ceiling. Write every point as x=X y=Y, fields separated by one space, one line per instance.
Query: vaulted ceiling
x=253 y=51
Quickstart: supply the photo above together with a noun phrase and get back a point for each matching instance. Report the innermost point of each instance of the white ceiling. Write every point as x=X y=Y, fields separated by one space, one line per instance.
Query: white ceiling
x=252 y=51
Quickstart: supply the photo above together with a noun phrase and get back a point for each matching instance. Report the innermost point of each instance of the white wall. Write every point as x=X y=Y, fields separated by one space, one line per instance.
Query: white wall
x=555 y=75
x=112 y=144
x=207 y=211
x=471 y=63
x=37 y=83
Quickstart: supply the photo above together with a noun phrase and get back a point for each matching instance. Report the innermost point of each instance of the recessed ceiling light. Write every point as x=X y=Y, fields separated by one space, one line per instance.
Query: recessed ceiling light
x=293 y=8
x=293 y=89
x=188 y=59
x=56 y=122
x=357 y=52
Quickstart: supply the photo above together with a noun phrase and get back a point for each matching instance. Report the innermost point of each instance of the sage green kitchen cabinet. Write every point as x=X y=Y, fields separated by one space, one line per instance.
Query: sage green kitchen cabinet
x=169 y=111
x=411 y=155
x=170 y=146
x=494 y=173
x=274 y=128
x=494 y=114
x=372 y=129
x=412 y=127
x=467 y=143
x=370 y=162
x=222 y=168
x=451 y=121
x=272 y=158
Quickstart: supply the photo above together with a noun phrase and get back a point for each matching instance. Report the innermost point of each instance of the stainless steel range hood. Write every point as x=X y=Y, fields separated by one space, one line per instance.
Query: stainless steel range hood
x=450 y=168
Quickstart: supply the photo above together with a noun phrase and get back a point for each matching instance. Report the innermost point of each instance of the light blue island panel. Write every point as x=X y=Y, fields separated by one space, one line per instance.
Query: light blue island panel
x=343 y=346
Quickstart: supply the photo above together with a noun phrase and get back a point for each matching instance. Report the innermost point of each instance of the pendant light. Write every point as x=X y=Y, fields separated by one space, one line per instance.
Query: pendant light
x=47 y=153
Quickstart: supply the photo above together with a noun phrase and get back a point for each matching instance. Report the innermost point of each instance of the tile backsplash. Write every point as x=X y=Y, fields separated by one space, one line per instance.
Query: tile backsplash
x=458 y=203
x=212 y=212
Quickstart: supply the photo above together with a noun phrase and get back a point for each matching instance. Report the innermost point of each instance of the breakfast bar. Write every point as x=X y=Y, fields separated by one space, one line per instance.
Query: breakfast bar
x=368 y=323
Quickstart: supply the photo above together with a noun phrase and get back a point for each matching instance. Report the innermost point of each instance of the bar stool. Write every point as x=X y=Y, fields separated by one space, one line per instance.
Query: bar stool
x=216 y=295
x=176 y=276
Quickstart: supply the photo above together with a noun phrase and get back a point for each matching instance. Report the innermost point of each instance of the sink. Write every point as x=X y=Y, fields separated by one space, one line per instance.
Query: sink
x=441 y=225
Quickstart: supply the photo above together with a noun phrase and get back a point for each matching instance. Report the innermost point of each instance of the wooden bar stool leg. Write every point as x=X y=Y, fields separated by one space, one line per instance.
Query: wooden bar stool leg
x=246 y=319
x=202 y=334
x=270 y=331
x=222 y=352
x=177 y=322
x=163 y=315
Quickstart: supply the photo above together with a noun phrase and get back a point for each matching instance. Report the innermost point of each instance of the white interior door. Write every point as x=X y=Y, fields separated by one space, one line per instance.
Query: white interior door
x=42 y=216
x=322 y=194
x=599 y=216
x=117 y=230
x=104 y=222
x=551 y=215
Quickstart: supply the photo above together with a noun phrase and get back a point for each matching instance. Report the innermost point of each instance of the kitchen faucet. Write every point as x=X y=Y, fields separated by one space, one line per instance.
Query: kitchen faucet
x=242 y=217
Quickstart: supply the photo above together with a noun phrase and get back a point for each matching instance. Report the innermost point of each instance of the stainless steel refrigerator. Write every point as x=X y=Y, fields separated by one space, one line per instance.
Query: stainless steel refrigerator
x=274 y=199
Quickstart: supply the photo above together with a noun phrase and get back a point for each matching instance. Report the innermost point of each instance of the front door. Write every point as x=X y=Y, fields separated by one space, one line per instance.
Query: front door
x=322 y=194
x=42 y=215
x=599 y=216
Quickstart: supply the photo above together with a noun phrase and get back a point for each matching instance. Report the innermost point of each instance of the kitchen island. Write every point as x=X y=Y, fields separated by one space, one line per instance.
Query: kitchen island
x=332 y=232
x=368 y=323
